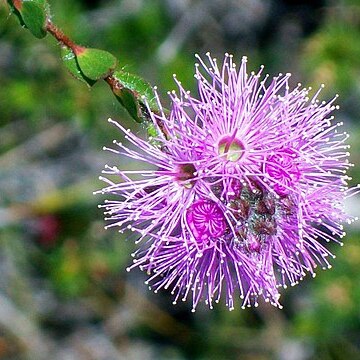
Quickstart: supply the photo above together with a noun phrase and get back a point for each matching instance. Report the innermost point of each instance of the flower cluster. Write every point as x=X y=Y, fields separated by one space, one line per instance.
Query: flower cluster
x=240 y=191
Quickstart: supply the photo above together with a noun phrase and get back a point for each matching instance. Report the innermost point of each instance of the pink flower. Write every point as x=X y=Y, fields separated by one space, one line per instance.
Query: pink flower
x=240 y=190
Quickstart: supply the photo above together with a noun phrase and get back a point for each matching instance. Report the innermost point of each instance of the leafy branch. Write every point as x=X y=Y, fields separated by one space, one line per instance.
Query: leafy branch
x=87 y=64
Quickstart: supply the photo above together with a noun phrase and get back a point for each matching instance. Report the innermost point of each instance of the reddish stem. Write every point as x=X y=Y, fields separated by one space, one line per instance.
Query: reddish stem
x=63 y=39
x=17 y=4
x=114 y=84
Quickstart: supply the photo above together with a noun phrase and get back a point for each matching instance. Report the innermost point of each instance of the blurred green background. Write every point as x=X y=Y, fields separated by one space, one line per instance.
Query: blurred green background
x=64 y=291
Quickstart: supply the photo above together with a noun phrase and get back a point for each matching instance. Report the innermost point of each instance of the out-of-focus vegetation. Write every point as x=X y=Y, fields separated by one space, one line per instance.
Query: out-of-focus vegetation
x=64 y=291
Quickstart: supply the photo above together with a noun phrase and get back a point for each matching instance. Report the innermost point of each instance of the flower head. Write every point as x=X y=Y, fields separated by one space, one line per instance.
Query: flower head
x=245 y=187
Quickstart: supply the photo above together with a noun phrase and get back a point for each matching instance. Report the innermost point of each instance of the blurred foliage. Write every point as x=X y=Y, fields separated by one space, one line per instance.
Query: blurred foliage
x=63 y=283
x=331 y=317
x=329 y=58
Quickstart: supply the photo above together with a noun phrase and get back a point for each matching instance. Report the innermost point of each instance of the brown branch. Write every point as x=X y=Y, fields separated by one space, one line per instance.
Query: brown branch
x=114 y=83
x=63 y=39
x=17 y=4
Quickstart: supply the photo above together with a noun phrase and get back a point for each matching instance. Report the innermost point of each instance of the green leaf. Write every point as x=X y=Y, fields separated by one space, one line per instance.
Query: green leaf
x=72 y=66
x=42 y=3
x=152 y=131
x=96 y=64
x=14 y=9
x=139 y=86
x=128 y=99
x=34 y=17
x=153 y=134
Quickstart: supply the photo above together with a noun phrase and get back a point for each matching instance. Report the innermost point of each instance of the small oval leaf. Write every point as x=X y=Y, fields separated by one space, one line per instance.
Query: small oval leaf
x=129 y=101
x=72 y=66
x=95 y=64
x=14 y=6
x=34 y=16
x=42 y=3
x=139 y=86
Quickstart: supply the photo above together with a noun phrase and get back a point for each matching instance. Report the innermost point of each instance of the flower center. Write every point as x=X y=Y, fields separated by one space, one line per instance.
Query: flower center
x=231 y=147
x=186 y=172
x=255 y=215
x=206 y=220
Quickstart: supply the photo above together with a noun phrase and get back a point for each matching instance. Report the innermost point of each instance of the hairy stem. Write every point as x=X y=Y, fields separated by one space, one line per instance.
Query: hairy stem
x=62 y=38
